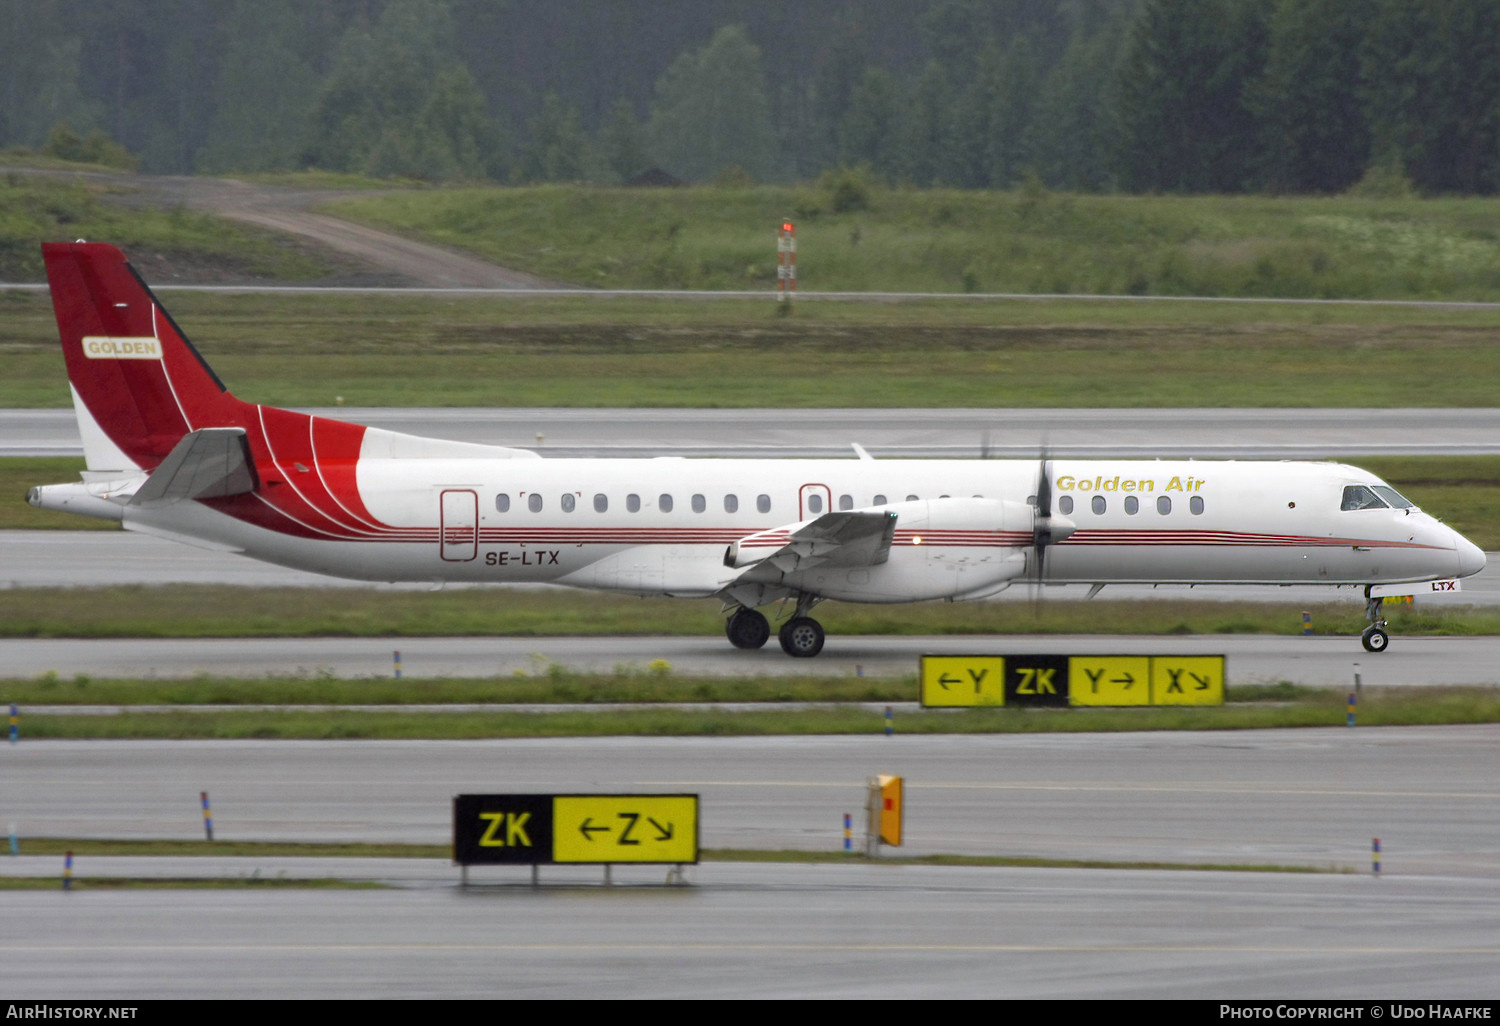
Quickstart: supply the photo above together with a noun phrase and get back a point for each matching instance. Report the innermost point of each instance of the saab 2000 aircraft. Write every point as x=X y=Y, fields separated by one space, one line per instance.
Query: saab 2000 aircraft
x=171 y=453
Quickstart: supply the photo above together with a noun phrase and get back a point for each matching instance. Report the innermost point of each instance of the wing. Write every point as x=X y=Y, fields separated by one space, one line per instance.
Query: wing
x=834 y=539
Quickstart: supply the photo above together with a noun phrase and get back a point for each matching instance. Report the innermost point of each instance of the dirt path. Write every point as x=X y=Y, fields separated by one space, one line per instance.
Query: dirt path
x=396 y=259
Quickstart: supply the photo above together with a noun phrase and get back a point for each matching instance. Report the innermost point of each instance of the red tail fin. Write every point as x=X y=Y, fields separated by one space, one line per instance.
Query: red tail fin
x=138 y=383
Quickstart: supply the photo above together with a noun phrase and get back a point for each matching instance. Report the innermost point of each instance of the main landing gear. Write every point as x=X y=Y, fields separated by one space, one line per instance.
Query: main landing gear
x=747 y=629
x=801 y=636
x=1374 y=638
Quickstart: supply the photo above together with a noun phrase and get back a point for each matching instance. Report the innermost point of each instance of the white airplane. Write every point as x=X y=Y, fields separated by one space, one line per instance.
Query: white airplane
x=171 y=453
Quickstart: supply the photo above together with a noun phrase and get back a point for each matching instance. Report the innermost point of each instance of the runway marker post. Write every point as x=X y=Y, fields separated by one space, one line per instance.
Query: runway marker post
x=15 y=842
x=1375 y=855
x=890 y=725
x=15 y=724
x=848 y=833
x=68 y=872
x=786 y=267
x=1349 y=717
x=1306 y=624
x=208 y=818
x=397 y=657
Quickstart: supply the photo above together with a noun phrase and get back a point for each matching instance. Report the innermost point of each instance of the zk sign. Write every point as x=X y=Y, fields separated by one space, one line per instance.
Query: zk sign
x=1061 y=680
x=541 y=829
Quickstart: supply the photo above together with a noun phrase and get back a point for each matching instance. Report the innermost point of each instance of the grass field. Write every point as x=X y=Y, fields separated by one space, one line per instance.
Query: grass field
x=84 y=847
x=393 y=350
x=33 y=210
x=1301 y=708
x=588 y=350
x=948 y=241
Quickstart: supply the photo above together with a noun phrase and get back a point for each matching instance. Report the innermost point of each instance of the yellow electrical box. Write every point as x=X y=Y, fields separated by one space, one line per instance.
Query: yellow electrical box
x=891 y=818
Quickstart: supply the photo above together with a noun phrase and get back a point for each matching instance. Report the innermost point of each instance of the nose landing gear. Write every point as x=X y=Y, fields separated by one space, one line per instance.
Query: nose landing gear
x=1374 y=638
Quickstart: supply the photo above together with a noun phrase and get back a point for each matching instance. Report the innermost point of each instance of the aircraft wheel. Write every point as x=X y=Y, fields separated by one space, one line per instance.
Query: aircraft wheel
x=802 y=636
x=1374 y=639
x=747 y=629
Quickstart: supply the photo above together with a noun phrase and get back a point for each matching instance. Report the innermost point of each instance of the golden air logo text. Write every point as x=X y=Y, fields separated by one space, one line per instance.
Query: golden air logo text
x=1069 y=483
x=115 y=347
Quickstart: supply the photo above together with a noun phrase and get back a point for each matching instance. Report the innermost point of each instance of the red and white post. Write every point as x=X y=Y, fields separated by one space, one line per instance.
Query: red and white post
x=786 y=265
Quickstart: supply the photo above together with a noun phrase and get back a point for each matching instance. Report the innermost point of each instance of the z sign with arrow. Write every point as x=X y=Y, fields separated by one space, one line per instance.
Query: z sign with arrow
x=625 y=828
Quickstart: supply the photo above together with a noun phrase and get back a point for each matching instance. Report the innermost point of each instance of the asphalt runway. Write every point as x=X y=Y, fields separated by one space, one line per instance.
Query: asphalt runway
x=747 y=932
x=1252 y=659
x=957 y=434
x=1427 y=928
x=1312 y=797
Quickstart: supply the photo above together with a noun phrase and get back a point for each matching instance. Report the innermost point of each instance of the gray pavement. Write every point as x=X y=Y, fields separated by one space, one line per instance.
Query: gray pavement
x=747 y=932
x=1426 y=928
x=906 y=433
x=1316 y=661
x=1311 y=797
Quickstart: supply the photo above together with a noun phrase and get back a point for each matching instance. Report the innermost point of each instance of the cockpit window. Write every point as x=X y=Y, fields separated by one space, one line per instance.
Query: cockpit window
x=1361 y=497
x=1393 y=497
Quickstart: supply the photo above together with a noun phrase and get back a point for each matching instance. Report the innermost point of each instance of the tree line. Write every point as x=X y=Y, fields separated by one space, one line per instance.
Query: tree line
x=1195 y=96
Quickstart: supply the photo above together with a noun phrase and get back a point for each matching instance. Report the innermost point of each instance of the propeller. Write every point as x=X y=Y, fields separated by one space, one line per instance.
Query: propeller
x=1041 y=523
x=1045 y=527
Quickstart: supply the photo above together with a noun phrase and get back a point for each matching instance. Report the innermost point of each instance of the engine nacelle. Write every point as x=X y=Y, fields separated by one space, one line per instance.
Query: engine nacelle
x=941 y=548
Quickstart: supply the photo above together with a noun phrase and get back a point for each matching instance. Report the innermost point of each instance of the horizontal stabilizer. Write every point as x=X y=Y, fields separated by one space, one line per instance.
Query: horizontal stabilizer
x=212 y=463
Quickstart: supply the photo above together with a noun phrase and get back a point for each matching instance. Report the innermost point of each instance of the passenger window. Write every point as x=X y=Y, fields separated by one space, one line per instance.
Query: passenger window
x=731 y=504
x=911 y=498
x=879 y=500
x=699 y=504
x=846 y=502
x=568 y=502
x=1360 y=497
x=1195 y=505
x=601 y=503
x=763 y=503
x=1132 y=505
x=664 y=502
x=1163 y=505
x=1098 y=504
x=502 y=503
x=815 y=503
x=1065 y=505
x=633 y=503
x=534 y=502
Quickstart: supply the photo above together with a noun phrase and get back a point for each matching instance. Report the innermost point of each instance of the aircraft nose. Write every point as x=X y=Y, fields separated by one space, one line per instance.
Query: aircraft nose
x=1470 y=558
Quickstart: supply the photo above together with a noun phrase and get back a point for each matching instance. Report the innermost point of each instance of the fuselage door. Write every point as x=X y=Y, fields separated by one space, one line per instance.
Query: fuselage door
x=459 y=528
x=815 y=500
